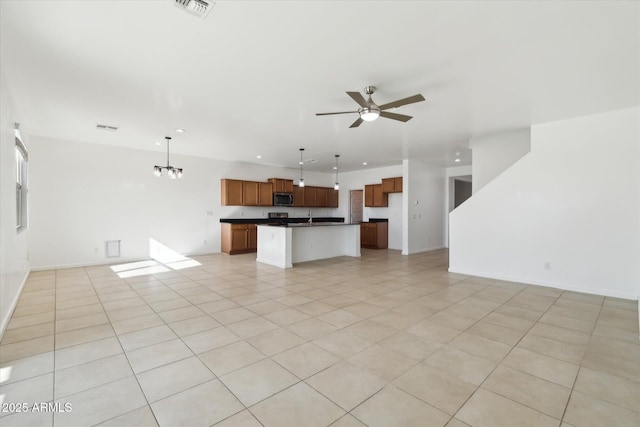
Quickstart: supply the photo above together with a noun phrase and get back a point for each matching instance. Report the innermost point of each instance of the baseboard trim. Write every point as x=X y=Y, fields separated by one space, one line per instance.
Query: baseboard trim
x=14 y=304
x=563 y=286
x=419 y=251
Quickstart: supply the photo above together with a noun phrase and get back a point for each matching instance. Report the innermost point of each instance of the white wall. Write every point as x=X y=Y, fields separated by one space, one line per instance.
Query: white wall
x=14 y=254
x=424 y=190
x=356 y=181
x=566 y=215
x=493 y=154
x=84 y=194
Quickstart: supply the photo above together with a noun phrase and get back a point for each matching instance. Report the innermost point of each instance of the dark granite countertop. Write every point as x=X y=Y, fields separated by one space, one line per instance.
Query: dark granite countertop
x=278 y=221
x=377 y=220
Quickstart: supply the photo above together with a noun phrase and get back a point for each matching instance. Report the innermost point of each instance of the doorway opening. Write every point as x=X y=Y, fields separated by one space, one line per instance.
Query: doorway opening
x=355 y=206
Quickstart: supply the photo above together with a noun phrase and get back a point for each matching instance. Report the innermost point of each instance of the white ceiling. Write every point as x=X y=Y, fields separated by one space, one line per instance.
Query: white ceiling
x=248 y=79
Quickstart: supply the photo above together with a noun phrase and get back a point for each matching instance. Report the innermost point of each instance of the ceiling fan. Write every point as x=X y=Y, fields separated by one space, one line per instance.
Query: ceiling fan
x=369 y=110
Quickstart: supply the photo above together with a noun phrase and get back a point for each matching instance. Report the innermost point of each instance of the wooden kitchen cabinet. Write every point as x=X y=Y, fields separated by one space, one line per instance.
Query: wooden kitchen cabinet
x=380 y=199
x=368 y=195
x=310 y=197
x=298 y=196
x=257 y=193
x=235 y=192
x=374 y=196
x=374 y=235
x=252 y=237
x=333 y=198
x=250 y=193
x=265 y=194
x=280 y=185
x=322 y=197
x=398 y=184
x=231 y=192
x=238 y=238
x=392 y=185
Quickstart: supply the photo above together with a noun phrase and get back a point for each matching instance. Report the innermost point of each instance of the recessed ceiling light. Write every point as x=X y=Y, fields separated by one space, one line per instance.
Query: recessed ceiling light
x=335 y=167
x=457 y=160
x=258 y=156
x=180 y=130
x=364 y=163
x=158 y=143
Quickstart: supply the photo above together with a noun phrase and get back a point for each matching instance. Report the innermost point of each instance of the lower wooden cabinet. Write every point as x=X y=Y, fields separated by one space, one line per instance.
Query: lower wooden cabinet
x=374 y=235
x=239 y=238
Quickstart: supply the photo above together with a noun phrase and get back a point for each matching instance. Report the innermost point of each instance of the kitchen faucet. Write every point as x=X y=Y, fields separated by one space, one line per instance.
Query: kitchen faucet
x=310 y=217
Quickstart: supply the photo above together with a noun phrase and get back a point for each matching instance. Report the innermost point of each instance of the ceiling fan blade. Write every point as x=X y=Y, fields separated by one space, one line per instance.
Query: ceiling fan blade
x=357 y=96
x=357 y=123
x=394 y=116
x=341 y=112
x=404 y=101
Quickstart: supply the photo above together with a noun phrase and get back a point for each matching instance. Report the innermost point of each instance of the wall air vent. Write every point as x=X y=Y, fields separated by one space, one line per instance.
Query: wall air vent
x=200 y=8
x=106 y=127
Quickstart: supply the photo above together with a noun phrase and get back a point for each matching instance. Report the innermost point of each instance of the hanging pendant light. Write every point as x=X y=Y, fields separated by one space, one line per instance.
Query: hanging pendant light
x=336 y=186
x=172 y=172
x=301 y=183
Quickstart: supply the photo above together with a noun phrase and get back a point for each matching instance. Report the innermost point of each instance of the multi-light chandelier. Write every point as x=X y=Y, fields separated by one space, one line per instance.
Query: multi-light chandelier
x=172 y=172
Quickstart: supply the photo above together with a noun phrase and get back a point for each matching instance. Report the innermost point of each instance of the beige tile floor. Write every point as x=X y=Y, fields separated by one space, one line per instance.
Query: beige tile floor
x=383 y=340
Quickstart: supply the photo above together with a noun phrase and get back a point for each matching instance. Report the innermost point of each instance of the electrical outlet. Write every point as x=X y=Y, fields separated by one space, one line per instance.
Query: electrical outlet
x=547 y=265
x=204 y=242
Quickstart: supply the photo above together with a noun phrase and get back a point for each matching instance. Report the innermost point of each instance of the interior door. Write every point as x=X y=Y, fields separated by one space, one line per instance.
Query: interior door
x=355 y=206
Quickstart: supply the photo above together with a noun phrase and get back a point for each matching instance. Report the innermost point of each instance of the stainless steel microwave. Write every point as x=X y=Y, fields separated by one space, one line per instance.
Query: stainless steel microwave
x=282 y=199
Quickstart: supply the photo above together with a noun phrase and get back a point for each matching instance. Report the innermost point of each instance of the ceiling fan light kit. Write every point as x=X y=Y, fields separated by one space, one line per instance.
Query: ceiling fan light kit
x=370 y=111
x=369 y=114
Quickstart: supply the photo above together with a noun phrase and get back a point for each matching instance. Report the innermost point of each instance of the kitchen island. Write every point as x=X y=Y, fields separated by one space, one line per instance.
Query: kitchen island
x=283 y=246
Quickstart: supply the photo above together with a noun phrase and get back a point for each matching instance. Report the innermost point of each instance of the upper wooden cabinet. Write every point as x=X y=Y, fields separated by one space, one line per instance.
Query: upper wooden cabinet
x=368 y=195
x=392 y=185
x=374 y=197
x=298 y=197
x=250 y=193
x=231 y=192
x=234 y=192
x=322 y=196
x=281 y=185
x=310 y=197
x=380 y=199
x=265 y=194
x=333 y=198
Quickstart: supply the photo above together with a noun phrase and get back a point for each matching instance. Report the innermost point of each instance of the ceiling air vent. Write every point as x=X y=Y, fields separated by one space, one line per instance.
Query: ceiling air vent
x=199 y=8
x=106 y=127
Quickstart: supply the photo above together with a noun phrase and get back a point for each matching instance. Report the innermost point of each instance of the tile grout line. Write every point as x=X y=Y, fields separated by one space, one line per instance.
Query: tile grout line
x=128 y=361
x=508 y=353
x=575 y=380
